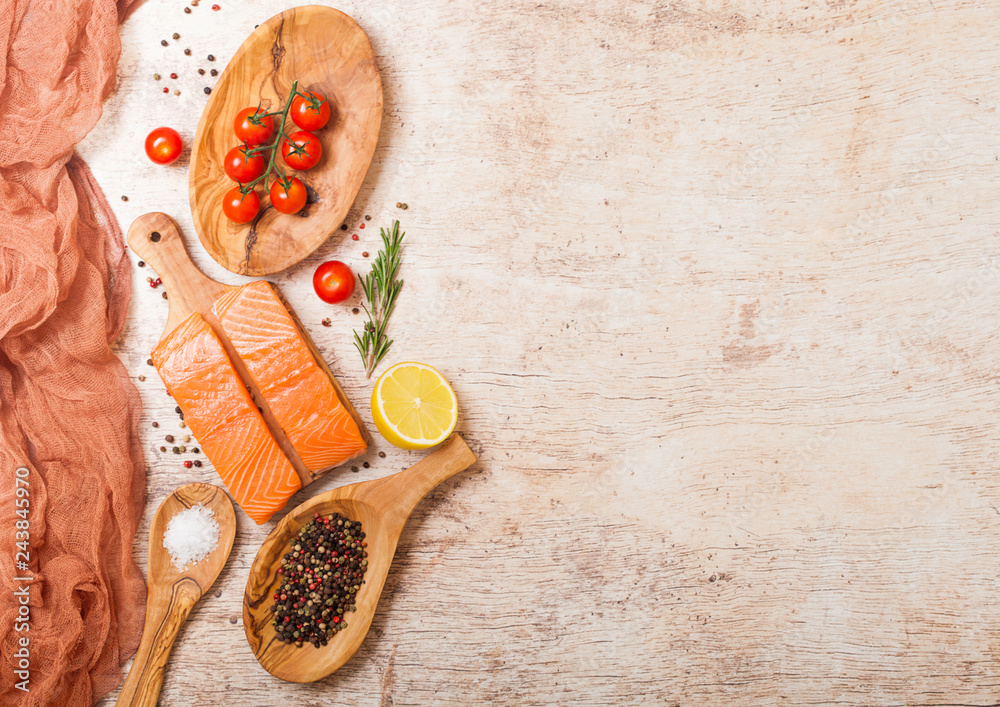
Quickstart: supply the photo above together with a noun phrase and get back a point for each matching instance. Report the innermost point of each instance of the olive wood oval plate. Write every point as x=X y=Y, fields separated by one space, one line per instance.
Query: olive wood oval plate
x=324 y=50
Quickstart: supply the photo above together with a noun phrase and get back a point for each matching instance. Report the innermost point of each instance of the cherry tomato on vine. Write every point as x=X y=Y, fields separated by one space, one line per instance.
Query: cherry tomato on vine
x=240 y=208
x=333 y=281
x=242 y=167
x=163 y=145
x=290 y=200
x=301 y=150
x=253 y=127
x=311 y=112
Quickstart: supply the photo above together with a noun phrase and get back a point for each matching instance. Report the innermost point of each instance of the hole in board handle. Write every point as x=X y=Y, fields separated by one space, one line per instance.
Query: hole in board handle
x=155 y=236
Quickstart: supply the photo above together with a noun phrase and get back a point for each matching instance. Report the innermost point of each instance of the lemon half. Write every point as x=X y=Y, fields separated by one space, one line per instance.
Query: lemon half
x=413 y=406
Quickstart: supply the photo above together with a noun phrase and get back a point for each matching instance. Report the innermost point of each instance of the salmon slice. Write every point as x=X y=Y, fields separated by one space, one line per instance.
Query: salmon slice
x=298 y=391
x=220 y=413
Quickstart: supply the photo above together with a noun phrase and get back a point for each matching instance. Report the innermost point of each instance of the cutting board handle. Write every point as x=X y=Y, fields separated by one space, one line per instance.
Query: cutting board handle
x=156 y=239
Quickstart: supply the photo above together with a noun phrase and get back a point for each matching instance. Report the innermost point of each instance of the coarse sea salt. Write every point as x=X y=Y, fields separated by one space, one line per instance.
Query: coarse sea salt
x=190 y=536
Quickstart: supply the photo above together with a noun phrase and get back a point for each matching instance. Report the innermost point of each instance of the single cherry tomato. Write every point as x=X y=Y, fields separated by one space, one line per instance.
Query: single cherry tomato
x=301 y=150
x=163 y=145
x=290 y=200
x=310 y=112
x=253 y=127
x=240 y=208
x=333 y=281
x=243 y=168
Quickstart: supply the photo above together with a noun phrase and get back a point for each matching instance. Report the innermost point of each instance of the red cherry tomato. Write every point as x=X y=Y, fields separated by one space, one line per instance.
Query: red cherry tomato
x=311 y=112
x=163 y=145
x=288 y=201
x=251 y=129
x=333 y=281
x=243 y=168
x=301 y=150
x=239 y=208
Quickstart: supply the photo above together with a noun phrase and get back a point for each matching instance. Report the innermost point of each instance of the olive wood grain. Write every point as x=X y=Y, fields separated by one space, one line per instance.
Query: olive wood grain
x=383 y=507
x=173 y=593
x=156 y=238
x=324 y=50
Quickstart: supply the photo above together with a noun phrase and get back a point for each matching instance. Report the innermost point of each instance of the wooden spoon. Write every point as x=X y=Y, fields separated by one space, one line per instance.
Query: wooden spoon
x=172 y=593
x=382 y=506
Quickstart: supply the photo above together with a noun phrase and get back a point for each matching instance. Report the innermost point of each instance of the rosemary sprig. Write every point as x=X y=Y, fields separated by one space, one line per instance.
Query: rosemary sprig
x=381 y=289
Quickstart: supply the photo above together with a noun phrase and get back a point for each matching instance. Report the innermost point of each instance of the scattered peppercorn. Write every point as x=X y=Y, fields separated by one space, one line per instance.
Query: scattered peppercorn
x=399 y=204
x=187 y=464
x=176 y=450
x=211 y=57
x=187 y=438
x=195 y=450
x=177 y=92
x=361 y=226
x=163 y=42
x=149 y=280
x=187 y=52
x=355 y=310
x=405 y=206
x=382 y=454
x=149 y=362
x=201 y=72
x=173 y=75
x=367 y=217
x=214 y=72
x=354 y=237
x=155 y=423
x=207 y=90
x=177 y=409
x=354 y=469
x=322 y=573
x=142 y=378
x=164 y=295
x=166 y=90
x=169 y=438
x=364 y=254
x=163 y=449
x=181 y=423
x=142 y=263
x=343 y=227
x=197 y=463
x=326 y=322
x=175 y=35
x=187 y=10
x=183 y=448
x=215 y=7
x=366 y=465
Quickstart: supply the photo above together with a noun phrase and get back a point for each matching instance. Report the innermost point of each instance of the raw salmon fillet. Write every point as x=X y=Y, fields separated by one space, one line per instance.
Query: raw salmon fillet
x=298 y=391
x=220 y=413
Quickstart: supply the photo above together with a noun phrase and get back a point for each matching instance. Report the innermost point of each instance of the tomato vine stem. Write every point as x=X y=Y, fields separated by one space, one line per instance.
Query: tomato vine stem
x=272 y=147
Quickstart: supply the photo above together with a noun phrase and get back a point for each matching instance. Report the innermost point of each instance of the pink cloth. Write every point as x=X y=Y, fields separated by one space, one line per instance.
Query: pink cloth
x=68 y=411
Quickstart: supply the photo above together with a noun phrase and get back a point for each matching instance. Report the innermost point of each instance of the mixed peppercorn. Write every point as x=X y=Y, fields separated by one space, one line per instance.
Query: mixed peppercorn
x=321 y=576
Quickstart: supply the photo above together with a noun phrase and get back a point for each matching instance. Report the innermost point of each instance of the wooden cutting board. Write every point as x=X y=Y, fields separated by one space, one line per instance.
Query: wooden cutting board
x=157 y=240
x=324 y=50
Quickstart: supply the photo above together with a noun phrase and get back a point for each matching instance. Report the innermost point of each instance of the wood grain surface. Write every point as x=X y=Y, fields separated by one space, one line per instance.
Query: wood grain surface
x=324 y=50
x=716 y=285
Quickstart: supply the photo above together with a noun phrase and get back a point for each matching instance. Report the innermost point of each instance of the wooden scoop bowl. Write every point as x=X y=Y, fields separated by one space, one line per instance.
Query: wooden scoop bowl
x=383 y=507
x=171 y=593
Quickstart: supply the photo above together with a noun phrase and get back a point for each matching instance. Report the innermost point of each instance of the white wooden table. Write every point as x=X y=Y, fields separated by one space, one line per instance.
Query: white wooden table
x=717 y=286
